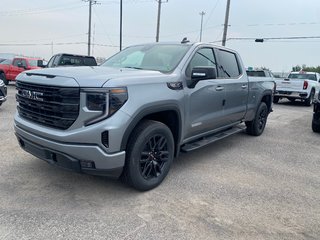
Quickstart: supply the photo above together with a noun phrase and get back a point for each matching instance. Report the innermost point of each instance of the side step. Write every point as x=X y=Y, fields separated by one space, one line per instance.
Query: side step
x=211 y=138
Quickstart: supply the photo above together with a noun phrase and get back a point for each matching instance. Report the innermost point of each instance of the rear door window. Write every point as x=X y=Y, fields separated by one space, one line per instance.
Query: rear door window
x=228 y=65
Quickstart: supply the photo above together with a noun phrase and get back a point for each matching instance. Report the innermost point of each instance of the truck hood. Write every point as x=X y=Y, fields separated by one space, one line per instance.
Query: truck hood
x=89 y=76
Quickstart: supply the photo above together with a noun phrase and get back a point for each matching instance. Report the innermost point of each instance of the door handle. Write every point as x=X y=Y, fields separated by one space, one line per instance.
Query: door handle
x=244 y=86
x=219 y=88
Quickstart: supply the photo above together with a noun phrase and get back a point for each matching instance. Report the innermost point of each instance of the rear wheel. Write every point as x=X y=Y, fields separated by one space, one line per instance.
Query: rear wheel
x=257 y=125
x=309 y=100
x=150 y=152
x=3 y=78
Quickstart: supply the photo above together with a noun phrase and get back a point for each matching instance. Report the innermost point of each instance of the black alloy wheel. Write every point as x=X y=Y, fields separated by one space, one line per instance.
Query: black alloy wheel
x=150 y=152
x=258 y=124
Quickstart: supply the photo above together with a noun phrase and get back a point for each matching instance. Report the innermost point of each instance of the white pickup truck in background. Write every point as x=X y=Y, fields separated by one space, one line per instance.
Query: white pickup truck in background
x=299 y=85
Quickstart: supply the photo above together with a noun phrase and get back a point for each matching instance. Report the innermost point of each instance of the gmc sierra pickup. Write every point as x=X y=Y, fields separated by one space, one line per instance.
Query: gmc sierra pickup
x=298 y=85
x=131 y=116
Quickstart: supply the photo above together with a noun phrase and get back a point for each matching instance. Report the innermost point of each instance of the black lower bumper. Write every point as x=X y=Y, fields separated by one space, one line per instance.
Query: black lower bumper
x=65 y=161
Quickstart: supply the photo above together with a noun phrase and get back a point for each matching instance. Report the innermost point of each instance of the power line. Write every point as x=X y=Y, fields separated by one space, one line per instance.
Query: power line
x=275 y=38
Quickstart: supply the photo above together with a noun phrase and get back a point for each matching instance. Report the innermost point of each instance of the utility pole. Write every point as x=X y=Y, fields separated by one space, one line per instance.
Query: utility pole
x=158 y=20
x=226 y=20
x=202 y=14
x=91 y=2
x=120 y=25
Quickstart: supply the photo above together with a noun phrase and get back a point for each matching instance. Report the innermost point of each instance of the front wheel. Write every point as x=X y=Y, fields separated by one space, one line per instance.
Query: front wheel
x=316 y=122
x=150 y=152
x=257 y=125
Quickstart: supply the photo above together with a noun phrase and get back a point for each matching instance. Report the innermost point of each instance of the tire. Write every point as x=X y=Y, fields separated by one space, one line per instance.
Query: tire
x=3 y=78
x=257 y=125
x=309 y=100
x=316 y=122
x=315 y=127
x=276 y=99
x=150 y=152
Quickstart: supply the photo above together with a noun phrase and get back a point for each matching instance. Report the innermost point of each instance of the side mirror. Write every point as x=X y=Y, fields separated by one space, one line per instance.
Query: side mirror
x=41 y=64
x=202 y=73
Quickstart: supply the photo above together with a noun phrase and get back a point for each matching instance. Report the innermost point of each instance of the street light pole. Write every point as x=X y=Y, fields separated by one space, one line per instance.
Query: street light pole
x=202 y=14
x=158 y=20
x=120 y=25
x=226 y=20
x=89 y=31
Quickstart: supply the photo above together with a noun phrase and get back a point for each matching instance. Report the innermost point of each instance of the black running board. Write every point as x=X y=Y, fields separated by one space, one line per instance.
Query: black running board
x=211 y=138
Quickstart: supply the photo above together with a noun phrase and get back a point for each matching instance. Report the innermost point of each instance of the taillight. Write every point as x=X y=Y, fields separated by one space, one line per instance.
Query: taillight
x=305 y=85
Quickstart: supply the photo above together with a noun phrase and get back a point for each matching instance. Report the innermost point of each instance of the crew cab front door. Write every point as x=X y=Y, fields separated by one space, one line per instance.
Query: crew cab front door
x=204 y=101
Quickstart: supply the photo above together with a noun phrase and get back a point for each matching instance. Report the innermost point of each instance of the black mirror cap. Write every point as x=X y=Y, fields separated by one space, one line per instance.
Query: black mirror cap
x=202 y=73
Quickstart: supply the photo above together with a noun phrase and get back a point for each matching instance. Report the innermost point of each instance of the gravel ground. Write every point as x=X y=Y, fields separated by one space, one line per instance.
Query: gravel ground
x=242 y=187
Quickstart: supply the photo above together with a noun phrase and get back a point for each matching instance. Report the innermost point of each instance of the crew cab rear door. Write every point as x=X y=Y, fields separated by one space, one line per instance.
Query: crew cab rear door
x=204 y=101
x=236 y=85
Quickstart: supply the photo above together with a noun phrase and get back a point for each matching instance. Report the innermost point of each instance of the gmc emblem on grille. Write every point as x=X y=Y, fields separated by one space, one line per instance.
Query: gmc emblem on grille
x=32 y=95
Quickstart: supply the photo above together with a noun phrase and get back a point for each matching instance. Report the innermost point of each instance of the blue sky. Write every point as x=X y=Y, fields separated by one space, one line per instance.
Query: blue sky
x=62 y=25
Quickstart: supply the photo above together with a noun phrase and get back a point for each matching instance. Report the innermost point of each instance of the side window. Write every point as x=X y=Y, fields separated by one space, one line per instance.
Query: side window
x=23 y=63
x=204 y=57
x=229 y=64
x=16 y=62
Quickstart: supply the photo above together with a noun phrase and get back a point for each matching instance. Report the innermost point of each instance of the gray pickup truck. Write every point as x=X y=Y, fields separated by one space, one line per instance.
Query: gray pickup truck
x=132 y=115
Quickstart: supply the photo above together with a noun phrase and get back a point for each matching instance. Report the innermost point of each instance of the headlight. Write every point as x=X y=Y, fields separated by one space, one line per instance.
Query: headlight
x=106 y=101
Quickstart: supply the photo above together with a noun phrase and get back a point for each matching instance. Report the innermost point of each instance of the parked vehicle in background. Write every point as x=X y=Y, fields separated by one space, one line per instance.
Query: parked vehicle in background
x=316 y=115
x=65 y=59
x=9 y=69
x=133 y=114
x=3 y=92
x=299 y=85
x=260 y=73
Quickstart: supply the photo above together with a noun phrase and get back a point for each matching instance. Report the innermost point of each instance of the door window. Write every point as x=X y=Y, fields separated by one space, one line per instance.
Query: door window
x=204 y=57
x=229 y=64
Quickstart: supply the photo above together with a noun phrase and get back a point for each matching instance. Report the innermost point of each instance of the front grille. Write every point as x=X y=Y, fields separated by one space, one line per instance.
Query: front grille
x=56 y=107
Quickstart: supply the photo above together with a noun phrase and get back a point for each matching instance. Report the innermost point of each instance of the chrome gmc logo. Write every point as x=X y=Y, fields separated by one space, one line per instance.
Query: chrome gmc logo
x=32 y=95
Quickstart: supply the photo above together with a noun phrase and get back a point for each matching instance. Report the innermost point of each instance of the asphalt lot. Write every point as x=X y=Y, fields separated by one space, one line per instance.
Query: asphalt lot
x=242 y=187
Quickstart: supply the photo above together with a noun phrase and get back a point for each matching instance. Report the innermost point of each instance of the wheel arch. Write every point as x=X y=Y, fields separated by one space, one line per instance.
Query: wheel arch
x=167 y=114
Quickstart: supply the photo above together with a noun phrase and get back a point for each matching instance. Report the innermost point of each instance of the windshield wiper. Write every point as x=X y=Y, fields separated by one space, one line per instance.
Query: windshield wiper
x=139 y=68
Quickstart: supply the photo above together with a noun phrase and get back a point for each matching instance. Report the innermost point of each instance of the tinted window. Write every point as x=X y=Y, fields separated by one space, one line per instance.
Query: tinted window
x=256 y=73
x=229 y=64
x=303 y=76
x=204 y=57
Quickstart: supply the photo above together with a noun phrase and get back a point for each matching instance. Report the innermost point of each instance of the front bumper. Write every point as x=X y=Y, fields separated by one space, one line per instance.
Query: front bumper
x=78 y=157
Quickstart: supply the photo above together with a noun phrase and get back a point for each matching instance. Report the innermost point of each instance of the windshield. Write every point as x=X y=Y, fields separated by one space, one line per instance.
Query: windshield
x=303 y=76
x=163 y=58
